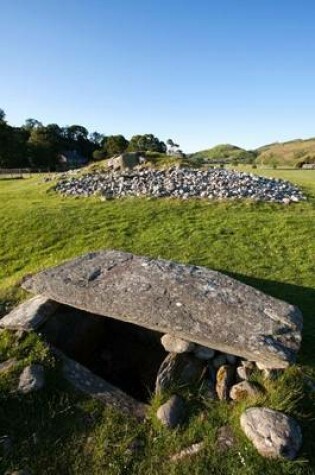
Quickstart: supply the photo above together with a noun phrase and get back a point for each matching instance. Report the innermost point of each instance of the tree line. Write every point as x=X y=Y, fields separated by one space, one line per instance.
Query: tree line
x=34 y=145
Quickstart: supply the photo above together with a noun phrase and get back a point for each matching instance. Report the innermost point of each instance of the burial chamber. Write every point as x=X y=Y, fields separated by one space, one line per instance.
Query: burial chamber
x=105 y=313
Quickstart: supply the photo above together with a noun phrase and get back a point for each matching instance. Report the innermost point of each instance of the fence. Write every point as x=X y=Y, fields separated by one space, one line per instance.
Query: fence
x=19 y=172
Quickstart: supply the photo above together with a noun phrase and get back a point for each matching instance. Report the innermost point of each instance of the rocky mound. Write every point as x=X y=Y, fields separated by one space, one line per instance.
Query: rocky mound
x=181 y=183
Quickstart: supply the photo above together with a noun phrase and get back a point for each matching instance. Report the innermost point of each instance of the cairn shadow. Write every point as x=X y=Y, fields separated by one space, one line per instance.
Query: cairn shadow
x=302 y=297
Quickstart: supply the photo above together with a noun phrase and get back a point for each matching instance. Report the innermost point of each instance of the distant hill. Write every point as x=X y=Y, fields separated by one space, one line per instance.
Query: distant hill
x=225 y=152
x=291 y=153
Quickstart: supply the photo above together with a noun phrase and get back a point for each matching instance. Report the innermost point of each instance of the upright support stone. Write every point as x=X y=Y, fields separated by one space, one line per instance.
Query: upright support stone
x=30 y=314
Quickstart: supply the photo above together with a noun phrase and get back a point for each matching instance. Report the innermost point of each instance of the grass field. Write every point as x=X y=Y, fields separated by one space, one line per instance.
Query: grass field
x=269 y=246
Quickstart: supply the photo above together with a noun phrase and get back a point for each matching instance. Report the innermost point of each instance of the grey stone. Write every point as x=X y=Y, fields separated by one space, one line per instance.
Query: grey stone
x=203 y=353
x=224 y=381
x=172 y=413
x=179 y=370
x=87 y=382
x=31 y=379
x=181 y=183
x=244 y=372
x=244 y=390
x=29 y=315
x=174 y=344
x=6 y=445
x=225 y=438
x=274 y=434
x=188 y=451
x=193 y=303
x=272 y=374
x=267 y=367
x=248 y=364
x=7 y=365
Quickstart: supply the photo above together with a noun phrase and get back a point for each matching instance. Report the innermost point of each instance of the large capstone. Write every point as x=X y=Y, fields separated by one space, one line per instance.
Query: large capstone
x=194 y=303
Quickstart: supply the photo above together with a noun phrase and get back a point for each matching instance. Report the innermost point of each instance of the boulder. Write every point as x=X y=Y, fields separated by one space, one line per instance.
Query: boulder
x=171 y=413
x=274 y=434
x=179 y=370
x=188 y=451
x=194 y=303
x=85 y=381
x=7 y=365
x=244 y=390
x=224 y=381
x=32 y=379
x=174 y=344
x=203 y=353
x=29 y=315
x=244 y=372
x=225 y=438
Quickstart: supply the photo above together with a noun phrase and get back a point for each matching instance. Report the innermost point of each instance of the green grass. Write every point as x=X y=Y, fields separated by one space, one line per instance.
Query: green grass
x=58 y=431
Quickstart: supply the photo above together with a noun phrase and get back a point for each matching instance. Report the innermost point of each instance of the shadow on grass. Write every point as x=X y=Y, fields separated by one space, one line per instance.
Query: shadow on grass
x=302 y=297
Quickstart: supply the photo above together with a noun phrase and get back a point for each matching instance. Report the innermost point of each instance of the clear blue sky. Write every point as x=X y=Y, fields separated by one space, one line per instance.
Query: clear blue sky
x=200 y=72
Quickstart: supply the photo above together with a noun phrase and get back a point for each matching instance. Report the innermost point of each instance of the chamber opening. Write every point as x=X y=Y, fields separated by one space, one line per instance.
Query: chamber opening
x=126 y=355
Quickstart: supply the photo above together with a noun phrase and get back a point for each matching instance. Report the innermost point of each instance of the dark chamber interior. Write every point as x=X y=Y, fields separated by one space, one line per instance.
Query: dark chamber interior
x=126 y=355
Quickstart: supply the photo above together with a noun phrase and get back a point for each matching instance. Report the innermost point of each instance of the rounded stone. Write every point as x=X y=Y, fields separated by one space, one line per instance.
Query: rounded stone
x=274 y=434
x=172 y=412
x=244 y=372
x=174 y=344
x=244 y=390
x=31 y=379
x=224 y=381
x=203 y=353
x=179 y=370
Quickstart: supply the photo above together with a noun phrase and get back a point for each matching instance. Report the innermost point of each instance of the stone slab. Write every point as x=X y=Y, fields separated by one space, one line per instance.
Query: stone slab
x=193 y=303
x=85 y=381
x=30 y=314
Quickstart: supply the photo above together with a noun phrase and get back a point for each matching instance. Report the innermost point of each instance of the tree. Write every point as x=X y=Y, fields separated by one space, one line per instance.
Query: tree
x=2 y=115
x=13 y=151
x=114 y=145
x=146 y=143
x=31 y=124
x=96 y=138
x=172 y=147
x=44 y=145
x=76 y=132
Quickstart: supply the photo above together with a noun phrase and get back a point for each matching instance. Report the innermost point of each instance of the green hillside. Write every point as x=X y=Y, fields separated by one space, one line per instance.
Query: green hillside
x=226 y=152
x=293 y=153
x=290 y=153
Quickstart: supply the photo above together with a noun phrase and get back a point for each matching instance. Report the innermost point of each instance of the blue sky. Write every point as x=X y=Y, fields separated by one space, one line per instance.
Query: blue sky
x=200 y=72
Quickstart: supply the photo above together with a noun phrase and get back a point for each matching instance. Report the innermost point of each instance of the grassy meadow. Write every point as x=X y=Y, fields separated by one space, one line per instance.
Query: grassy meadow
x=58 y=431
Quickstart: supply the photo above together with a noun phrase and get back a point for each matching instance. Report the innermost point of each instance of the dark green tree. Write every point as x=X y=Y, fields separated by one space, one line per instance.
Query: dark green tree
x=114 y=145
x=146 y=143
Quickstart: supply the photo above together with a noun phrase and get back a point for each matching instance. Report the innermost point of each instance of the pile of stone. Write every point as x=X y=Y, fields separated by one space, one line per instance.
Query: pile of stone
x=224 y=377
x=181 y=183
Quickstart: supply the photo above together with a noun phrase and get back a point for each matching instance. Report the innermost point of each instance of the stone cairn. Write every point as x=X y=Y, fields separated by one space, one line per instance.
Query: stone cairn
x=180 y=183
